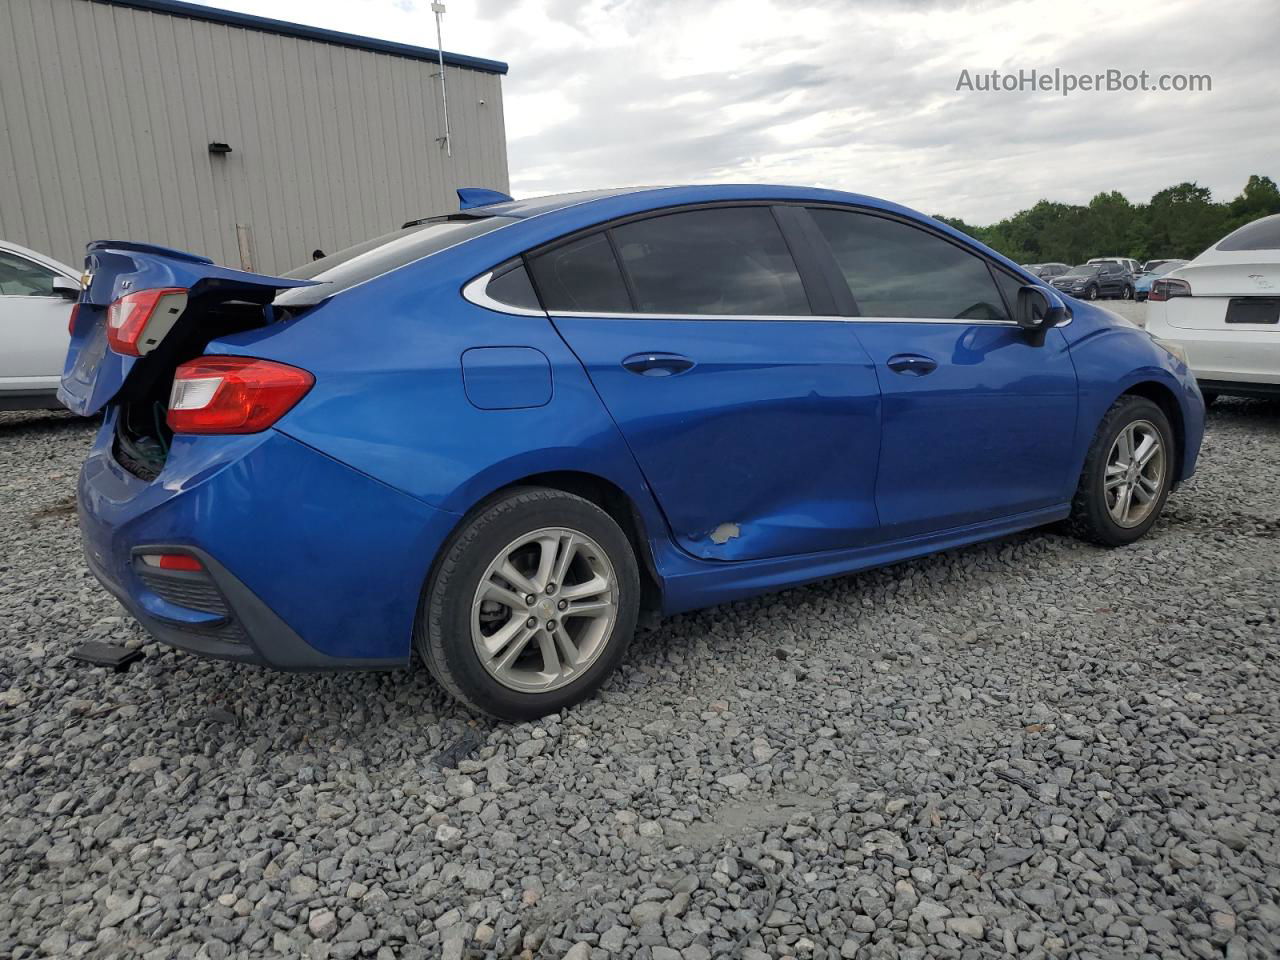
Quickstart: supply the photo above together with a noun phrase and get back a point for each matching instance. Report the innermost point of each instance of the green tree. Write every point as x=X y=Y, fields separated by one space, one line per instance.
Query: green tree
x=1179 y=221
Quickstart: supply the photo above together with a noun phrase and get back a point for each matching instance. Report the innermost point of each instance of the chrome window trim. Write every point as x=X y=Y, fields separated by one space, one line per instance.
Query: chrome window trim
x=476 y=292
x=782 y=318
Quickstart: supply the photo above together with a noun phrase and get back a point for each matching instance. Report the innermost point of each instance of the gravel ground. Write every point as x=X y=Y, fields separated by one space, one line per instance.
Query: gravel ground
x=1031 y=748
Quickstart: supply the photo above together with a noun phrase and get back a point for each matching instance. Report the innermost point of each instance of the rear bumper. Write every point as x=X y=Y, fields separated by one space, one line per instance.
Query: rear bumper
x=310 y=565
x=1216 y=351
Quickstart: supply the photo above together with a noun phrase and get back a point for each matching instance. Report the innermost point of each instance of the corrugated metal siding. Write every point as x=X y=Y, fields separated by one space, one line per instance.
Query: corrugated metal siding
x=106 y=114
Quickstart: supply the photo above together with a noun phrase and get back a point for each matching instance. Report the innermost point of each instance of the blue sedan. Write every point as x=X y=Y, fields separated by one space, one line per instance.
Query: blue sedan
x=1142 y=285
x=494 y=436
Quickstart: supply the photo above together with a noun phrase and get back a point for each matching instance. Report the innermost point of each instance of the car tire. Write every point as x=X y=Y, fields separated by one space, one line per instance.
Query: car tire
x=1098 y=513
x=1092 y=293
x=1126 y=293
x=460 y=628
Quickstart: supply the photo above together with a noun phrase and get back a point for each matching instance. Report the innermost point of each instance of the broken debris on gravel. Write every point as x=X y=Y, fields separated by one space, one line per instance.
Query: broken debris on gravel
x=1031 y=748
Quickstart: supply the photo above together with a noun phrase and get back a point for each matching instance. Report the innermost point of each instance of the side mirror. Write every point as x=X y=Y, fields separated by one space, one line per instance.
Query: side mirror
x=66 y=288
x=1037 y=310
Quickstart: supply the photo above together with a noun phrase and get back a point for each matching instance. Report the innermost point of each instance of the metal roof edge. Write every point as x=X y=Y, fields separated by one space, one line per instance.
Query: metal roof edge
x=196 y=11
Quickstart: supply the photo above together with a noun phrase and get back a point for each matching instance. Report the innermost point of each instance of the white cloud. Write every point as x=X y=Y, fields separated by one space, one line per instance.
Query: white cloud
x=858 y=96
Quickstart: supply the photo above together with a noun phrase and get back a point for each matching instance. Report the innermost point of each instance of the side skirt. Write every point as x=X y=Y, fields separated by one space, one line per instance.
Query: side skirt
x=689 y=583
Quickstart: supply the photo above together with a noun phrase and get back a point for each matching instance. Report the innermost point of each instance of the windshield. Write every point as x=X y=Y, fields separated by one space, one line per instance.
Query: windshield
x=1167 y=267
x=1084 y=270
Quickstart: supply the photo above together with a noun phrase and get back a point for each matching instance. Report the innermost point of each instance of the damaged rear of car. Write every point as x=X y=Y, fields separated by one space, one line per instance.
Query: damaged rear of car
x=195 y=510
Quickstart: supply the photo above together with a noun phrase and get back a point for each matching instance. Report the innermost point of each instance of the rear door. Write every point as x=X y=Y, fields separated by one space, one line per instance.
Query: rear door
x=33 y=325
x=978 y=421
x=94 y=373
x=752 y=412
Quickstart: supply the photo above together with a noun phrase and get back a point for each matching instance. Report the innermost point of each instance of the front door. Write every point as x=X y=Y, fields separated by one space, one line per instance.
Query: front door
x=755 y=423
x=978 y=420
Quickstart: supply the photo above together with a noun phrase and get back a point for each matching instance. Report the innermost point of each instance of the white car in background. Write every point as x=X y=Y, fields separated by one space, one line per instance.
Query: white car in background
x=1224 y=308
x=37 y=295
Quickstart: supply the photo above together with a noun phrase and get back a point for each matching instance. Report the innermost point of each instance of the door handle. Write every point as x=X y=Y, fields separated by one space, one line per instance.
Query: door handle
x=657 y=364
x=912 y=364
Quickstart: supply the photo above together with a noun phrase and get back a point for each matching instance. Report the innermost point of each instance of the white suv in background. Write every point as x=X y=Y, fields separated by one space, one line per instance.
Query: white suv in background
x=1224 y=308
x=37 y=295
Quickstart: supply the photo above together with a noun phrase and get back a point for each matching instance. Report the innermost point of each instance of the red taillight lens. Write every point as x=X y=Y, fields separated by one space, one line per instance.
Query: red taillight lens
x=71 y=320
x=1167 y=289
x=233 y=394
x=173 y=561
x=129 y=317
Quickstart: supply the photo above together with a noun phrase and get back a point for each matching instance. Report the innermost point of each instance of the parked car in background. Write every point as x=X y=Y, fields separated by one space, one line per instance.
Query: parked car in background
x=552 y=409
x=1142 y=283
x=1046 y=271
x=1091 y=281
x=1224 y=309
x=1132 y=266
x=1152 y=265
x=37 y=295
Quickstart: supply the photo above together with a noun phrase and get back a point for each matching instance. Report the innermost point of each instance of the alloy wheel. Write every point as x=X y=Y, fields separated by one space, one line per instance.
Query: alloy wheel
x=1135 y=473
x=544 y=610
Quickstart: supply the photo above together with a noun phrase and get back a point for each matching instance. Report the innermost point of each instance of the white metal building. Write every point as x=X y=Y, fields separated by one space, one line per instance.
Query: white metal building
x=248 y=140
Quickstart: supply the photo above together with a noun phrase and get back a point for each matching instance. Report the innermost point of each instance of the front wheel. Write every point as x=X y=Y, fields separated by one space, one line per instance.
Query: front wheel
x=531 y=605
x=1126 y=293
x=1093 y=293
x=1127 y=474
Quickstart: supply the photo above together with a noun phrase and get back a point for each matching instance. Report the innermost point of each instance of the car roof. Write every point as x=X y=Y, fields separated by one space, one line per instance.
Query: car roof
x=585 y=208
x=38 y=257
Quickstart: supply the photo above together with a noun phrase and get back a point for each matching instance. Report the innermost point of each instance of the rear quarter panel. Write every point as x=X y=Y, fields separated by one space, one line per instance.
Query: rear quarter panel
x=391 y=399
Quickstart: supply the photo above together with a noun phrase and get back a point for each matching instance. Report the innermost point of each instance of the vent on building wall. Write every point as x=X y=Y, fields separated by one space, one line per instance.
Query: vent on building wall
x=219 y=149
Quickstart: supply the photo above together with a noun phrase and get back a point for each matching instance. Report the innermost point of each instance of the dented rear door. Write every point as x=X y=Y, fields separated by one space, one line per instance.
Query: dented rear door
x=758 y=432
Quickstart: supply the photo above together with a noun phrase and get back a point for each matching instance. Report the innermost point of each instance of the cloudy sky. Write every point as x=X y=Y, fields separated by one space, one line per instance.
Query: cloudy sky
x=862 y=95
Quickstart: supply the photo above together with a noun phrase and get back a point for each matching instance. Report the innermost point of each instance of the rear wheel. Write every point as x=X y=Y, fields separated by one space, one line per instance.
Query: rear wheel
x=531 y=606
x=1127 y=474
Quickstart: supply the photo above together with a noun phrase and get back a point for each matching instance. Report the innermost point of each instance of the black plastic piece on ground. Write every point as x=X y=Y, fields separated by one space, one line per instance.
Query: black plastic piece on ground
x=462 y=748
x=111 y=655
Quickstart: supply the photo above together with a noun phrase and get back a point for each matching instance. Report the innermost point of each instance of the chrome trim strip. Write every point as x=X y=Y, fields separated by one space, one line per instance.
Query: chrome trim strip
x=778 y=318
x=475 y=291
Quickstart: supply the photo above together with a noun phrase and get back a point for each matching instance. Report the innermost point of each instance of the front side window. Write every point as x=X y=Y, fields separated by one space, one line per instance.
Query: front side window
x=19 y=277
x=896 y=270
x=716 y=261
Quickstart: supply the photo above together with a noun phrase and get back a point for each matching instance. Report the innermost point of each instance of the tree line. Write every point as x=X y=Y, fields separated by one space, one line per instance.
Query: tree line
x=1180 y=221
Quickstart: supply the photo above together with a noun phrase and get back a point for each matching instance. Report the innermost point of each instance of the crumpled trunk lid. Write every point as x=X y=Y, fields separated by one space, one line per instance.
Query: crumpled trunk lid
x=94 y=374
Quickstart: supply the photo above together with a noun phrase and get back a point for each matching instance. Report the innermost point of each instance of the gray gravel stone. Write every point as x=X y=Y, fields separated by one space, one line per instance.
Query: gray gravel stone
x=1030 y=747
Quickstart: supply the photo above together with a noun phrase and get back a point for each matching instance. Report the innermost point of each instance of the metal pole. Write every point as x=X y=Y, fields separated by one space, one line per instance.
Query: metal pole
x=438 y=10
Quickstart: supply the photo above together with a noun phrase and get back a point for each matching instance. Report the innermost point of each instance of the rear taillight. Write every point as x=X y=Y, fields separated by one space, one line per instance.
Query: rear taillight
x=1167 y=289
x=137 y=322
x=71 y=320
x=173 y=561
x=233 y=394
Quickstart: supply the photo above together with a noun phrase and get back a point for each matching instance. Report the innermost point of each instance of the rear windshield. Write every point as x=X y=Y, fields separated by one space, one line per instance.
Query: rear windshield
x=1262 y=234
x=372 y=258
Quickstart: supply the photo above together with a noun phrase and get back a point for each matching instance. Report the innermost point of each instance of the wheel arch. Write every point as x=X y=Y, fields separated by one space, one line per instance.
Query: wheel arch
x=606 y=495
x=1164 y=398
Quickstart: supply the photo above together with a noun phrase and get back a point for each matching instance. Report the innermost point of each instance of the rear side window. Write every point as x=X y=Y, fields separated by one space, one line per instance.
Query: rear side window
x=896 y=270
x=581 y=276
x=510 y=285
x=19 y=277
x=730 y=260
x=1262 y=234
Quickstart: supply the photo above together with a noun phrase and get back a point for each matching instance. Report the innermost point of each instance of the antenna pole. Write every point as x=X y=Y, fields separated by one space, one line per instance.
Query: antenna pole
x=438 y=10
